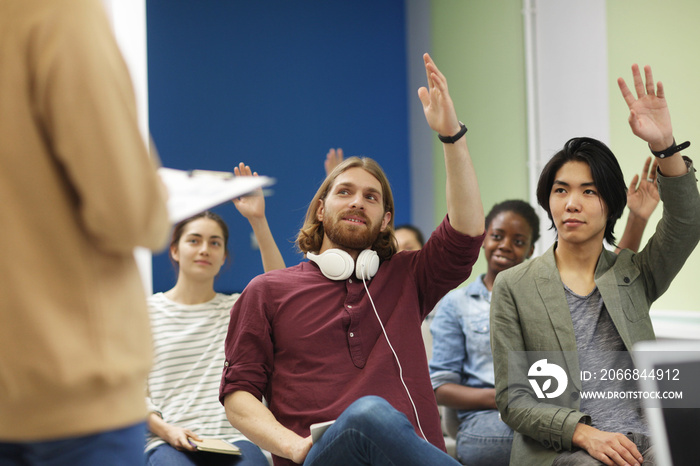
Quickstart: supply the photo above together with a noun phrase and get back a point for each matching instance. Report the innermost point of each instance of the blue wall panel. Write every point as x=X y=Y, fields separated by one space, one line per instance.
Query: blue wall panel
x=275 y=84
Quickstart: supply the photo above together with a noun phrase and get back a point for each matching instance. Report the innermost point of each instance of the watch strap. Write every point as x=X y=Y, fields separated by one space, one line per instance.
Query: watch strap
x=452 y=139
x=672 y=149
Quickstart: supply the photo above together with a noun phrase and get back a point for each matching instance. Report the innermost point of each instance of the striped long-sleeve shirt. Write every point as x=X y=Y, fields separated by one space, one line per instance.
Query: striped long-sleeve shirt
x=183 y=386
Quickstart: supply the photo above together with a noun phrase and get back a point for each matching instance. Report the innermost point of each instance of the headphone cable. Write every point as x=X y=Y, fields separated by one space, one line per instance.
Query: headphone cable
x=415 y=411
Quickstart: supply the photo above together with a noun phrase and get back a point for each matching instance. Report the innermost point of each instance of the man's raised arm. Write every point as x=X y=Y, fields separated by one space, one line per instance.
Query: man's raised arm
x=464 y=207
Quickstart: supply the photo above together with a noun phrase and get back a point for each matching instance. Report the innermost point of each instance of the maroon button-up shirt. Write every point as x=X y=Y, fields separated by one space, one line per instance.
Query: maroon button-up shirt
x=312 y=346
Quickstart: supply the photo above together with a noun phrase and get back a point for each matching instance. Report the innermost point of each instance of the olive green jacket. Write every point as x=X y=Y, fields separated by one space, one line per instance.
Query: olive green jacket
x=529 y=312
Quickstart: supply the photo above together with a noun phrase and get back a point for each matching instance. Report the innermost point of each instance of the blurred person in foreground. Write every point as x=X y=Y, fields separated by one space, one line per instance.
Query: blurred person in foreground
x=79 y=193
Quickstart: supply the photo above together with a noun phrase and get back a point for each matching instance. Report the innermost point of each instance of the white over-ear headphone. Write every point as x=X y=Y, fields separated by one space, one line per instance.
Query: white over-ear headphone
x=337 y=264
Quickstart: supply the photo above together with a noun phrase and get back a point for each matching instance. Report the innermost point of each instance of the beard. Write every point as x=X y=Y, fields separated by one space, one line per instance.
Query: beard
x=357 y=237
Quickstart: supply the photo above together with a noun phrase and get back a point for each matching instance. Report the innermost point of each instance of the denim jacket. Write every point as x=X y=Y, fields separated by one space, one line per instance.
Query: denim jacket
x=461 y=341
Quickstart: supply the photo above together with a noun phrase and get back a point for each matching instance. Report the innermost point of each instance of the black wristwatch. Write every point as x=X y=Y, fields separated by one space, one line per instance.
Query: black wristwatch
x=452 y=139
x=669 y=151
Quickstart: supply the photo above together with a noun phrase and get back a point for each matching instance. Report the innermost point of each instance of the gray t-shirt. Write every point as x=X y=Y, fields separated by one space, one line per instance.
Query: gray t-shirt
x=600 y=347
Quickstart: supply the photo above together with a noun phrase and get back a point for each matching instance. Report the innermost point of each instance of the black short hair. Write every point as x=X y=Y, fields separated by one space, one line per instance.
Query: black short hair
x=521 y=208
x=606 y=172
x=415 y=230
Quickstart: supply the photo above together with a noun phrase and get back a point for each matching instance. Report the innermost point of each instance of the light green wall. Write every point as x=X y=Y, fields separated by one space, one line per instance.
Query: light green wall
x=478 y=44
x=663 y=34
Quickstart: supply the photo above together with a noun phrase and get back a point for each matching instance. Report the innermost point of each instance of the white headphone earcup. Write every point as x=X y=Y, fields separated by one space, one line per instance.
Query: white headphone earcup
x=335 y=264
x=367 y=264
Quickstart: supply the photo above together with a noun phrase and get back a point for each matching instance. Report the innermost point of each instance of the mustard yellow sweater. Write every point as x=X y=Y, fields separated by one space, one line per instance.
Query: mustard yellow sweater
x=77 y=194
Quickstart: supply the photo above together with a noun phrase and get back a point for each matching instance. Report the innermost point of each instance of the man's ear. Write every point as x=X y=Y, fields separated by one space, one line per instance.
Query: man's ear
x=385 y=220
x=319 y=210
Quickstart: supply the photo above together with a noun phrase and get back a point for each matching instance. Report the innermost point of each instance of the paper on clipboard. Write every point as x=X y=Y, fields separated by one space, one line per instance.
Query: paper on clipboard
x=192 y=192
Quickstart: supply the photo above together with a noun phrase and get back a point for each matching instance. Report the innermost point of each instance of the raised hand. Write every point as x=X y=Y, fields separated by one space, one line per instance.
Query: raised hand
x=437 y=103
x=649 y=116
x=643 y=198
x=252 y=205
x=333 y=158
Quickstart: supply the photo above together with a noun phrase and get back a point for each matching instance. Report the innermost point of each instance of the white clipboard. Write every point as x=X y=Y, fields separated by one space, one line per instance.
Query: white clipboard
x=192 y=192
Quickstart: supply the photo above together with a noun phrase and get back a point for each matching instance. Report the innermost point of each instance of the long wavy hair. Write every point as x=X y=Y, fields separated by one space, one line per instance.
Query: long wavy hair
x=310 y=237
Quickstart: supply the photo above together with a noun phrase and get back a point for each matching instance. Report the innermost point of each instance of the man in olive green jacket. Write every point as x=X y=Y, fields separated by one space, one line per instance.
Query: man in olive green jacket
x=530 y=307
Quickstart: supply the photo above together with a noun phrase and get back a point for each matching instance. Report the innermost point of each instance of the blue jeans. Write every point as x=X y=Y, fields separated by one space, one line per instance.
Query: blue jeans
x=371 y=432
x=166 y=455
x=484 y=440
x=121 y=447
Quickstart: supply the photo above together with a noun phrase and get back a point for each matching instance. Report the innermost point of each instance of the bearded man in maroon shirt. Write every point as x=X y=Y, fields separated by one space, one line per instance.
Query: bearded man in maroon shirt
x=338 y=337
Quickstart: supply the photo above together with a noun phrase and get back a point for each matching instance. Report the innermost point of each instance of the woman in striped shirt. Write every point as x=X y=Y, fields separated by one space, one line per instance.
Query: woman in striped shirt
x=189 y=324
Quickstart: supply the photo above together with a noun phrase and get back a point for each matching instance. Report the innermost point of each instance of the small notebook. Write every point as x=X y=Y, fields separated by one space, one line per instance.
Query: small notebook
x=215 y=445
x=318 y=429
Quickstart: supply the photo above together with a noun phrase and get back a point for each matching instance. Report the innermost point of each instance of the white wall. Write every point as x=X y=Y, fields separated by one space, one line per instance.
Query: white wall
x=128 y=18
x=567 y=73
